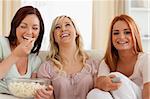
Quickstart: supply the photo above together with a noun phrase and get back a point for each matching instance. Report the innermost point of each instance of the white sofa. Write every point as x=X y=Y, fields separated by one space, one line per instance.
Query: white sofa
x=93 y=53
x=96 y=54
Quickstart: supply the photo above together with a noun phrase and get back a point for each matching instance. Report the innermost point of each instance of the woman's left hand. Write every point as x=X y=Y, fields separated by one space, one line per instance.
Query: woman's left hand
x=146 y=91
x=44 y=93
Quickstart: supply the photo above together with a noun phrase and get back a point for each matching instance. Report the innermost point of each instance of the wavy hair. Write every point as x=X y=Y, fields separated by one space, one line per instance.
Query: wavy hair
x=111 y=56
x=19 y=16
x=54 y=48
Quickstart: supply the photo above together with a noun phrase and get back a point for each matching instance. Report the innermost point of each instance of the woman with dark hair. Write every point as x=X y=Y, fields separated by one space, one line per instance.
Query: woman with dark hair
x=19 y=16
x=18 y=51
x=124 y=71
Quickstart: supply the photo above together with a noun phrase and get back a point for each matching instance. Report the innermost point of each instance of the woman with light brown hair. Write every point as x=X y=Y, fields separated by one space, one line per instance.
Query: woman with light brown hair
x=68 y=67
x=124 y=71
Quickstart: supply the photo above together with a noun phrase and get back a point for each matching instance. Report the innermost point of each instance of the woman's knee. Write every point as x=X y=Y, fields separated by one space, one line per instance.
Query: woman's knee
x=97 y=94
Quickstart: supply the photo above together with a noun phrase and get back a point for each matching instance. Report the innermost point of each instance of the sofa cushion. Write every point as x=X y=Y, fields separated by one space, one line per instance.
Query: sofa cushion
x=95 y=54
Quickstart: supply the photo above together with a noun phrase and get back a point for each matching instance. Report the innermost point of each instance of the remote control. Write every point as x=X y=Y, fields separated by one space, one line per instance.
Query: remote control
x=116 y=80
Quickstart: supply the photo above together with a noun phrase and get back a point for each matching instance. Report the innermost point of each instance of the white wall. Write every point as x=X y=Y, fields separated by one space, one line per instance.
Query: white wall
x=140 y=11
x=79 y=10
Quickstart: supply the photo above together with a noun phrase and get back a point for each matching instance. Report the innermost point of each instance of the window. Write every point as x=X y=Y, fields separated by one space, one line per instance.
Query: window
x=80 y=11
x=140 y=11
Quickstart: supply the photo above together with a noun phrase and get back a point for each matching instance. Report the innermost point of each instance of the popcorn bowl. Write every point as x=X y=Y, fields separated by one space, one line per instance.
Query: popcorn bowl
x=26 y=88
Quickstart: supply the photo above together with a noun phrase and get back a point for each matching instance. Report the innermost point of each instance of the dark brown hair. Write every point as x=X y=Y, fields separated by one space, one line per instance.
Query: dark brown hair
x=19 y=16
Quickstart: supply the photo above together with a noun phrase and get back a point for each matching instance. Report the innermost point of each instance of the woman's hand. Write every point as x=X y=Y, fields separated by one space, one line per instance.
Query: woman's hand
x=146 y=91
x=45 y=94
x=24 y=48
x=105 y=83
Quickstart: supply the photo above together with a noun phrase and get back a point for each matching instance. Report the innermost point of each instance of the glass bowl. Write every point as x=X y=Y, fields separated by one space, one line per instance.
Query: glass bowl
x=26 y=88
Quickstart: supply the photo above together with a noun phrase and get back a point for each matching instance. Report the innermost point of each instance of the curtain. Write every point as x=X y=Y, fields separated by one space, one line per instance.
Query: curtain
x=0 y=18
x=103 y=13
x=7 y=10
x=119 y=6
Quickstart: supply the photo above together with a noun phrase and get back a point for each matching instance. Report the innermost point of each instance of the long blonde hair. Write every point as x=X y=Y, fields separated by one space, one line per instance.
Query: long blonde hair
x=54 y=48
x=111 y=57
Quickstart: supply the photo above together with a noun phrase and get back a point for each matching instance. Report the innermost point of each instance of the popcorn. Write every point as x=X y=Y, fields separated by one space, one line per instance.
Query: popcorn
x=24 y=89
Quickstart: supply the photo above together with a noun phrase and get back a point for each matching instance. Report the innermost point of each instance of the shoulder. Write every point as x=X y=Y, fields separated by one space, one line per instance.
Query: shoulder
x=46 y=70
x=143 y=65
x=47 y=65
x=48 y=62
x=103 y=68
x=103 y=62
x=143 y=56
x=34 y=57
x=143 y=61
x=93 y=64
x=4 y=47
x=3 y=40
x=93 y=61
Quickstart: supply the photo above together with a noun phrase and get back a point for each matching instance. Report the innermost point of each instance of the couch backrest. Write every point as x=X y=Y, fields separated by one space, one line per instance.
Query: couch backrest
x=96 y=54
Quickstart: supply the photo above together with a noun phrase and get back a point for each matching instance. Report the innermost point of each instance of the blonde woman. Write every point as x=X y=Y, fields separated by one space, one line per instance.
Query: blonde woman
x=125 y=59
x=68 y=67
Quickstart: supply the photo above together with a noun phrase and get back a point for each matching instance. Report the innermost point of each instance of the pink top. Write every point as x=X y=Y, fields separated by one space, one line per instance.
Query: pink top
x=74 y=86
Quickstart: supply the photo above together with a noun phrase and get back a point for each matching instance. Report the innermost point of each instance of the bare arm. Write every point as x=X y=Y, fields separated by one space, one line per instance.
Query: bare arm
x=6 y=64
x=146 y=91
x=21 y=50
